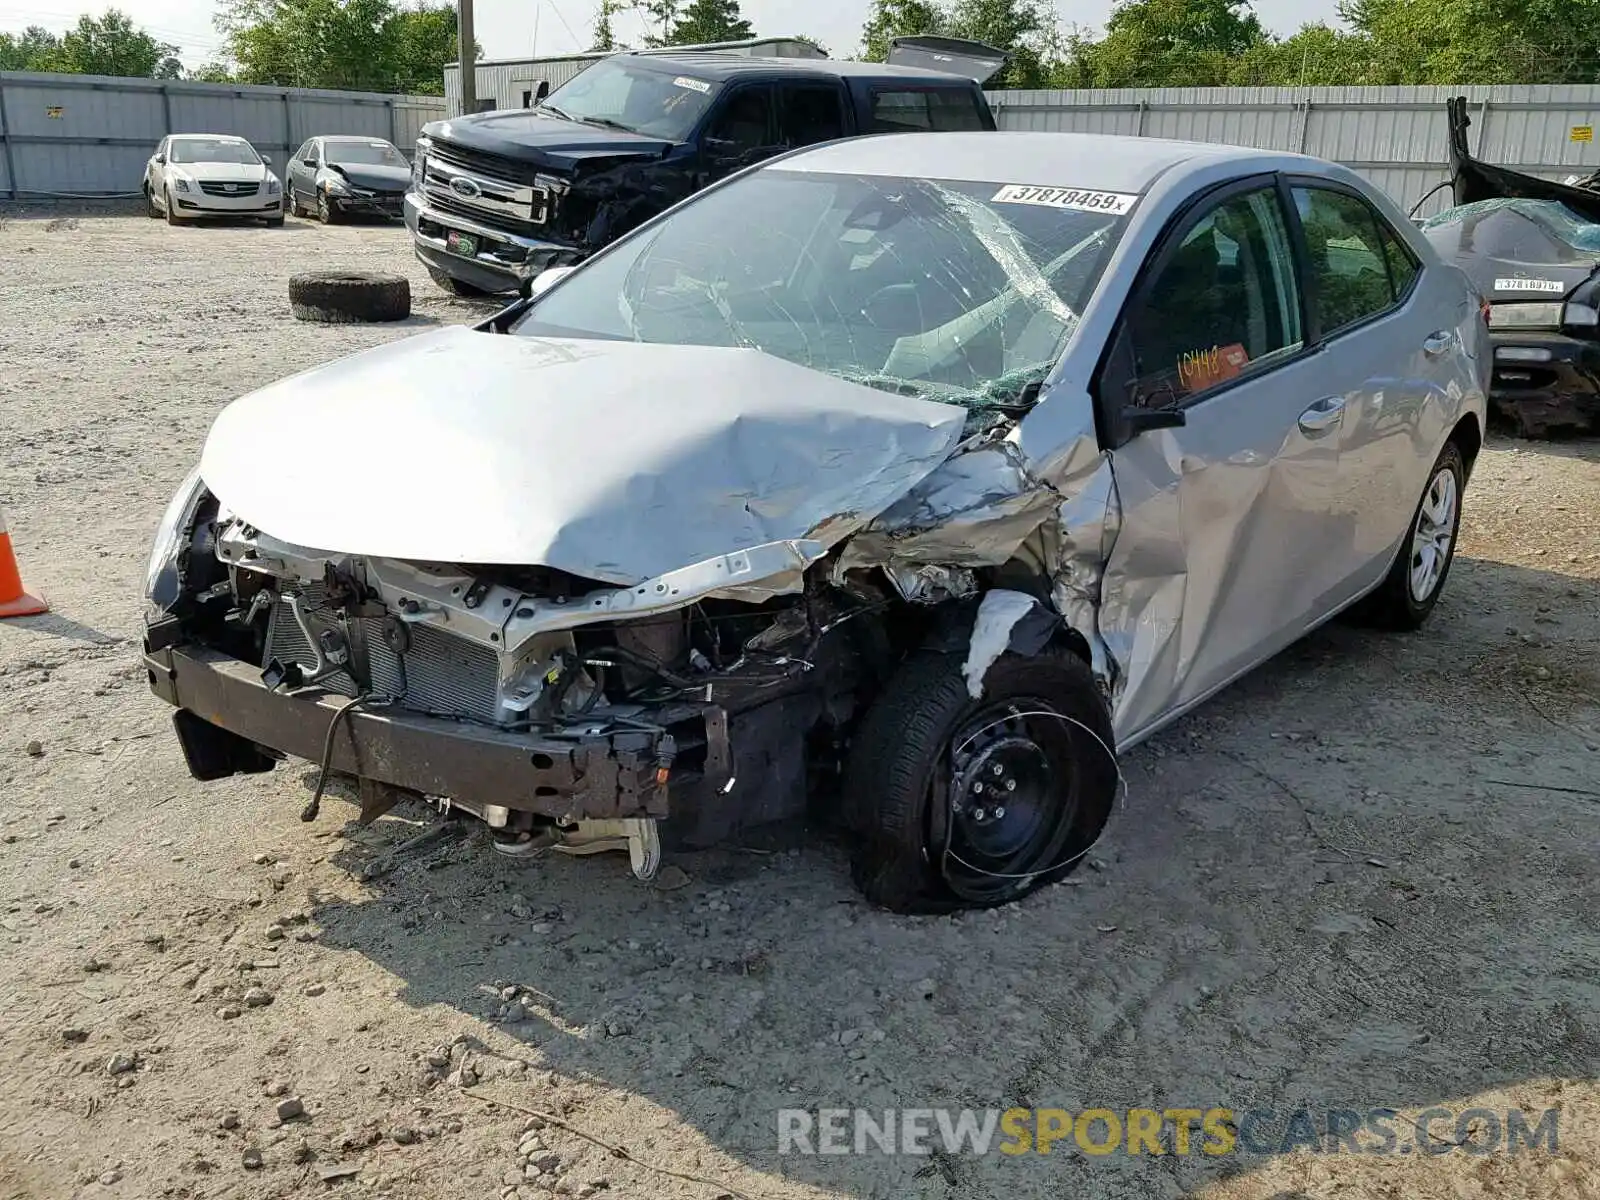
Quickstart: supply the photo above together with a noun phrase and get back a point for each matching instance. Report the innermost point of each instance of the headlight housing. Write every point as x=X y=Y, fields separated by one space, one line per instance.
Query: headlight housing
x=163 y=576
x=1580 y=314
x=179 y=182
x=272 y=185
x=335 y=186
x=419 y=163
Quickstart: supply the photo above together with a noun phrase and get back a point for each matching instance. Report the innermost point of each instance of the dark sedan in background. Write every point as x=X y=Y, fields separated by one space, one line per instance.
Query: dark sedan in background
x=1532 y=248
x=336 y=177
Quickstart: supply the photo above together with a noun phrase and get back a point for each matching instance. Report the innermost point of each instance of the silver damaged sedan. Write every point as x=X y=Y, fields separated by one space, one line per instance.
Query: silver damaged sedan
x=900 y=482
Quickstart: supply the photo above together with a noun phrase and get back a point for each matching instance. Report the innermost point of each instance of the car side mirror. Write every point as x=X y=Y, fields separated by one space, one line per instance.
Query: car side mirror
x=267 y=159
x=548 y=278
x=1142 y=420
x=161 y=160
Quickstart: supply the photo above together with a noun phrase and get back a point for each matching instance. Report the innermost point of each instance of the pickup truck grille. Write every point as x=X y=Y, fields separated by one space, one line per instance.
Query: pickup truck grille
x=440 y=673
x=483 y=187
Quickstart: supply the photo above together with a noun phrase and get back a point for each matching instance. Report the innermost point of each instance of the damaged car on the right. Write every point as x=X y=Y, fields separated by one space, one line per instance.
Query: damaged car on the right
x=908 y=478
x=1532 y=247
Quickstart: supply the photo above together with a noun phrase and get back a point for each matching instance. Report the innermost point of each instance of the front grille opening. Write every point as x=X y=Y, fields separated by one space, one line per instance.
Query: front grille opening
x=441 y=673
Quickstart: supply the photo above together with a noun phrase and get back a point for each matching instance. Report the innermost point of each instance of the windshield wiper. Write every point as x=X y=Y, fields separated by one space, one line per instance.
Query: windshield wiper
x=554 y=111
x=607 y=122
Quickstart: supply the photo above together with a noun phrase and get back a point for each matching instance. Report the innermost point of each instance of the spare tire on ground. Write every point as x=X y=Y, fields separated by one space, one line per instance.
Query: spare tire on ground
x=349 y=297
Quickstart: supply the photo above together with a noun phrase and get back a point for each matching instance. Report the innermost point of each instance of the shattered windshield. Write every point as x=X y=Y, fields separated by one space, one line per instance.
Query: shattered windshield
x=965 y=293
x=622 y=95
x=1515 y=230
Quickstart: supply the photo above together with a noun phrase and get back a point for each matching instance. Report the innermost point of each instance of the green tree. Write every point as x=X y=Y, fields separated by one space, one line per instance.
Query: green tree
x=364 y=45
x=661 y=16
x=34 y=49
x=889 y=19
x=1025 y=29
x=1174 y=43
x=213 y=72
x=109 y=44
x=604 y=38
x=710 y=21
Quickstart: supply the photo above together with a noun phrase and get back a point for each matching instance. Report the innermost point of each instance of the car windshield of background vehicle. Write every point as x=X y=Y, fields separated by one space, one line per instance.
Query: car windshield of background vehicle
x=632 y=98
x=212 y=150
x=965 y=293
x=364 y=153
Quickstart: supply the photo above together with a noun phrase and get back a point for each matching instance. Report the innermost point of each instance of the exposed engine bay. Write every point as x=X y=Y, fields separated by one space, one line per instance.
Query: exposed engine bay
x=651 y=703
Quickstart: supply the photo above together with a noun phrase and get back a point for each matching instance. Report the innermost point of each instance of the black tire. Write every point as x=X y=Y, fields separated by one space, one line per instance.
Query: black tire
x=326 y=213
x=349 y=297
x=172 y=209
x=293 y=198
x=916 y=851
x=456 y=288
x=150 y=209
x=1395 y=604
x=275 y=222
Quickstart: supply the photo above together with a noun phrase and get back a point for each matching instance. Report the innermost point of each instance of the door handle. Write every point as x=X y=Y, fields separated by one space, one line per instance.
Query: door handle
x=1322 y=416
x=1438 y=342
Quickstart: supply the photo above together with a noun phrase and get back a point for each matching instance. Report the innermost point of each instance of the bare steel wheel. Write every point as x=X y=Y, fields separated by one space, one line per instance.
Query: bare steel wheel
x=963 y=803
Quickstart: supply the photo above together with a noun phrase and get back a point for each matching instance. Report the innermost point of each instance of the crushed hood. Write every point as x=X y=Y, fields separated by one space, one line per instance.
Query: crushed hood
x=616 y=461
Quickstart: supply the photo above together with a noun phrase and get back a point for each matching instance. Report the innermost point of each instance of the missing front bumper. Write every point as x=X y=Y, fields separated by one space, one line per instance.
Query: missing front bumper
x=587 y=773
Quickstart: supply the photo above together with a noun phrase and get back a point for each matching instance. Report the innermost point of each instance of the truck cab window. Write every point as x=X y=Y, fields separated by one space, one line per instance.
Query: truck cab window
x=808 y=115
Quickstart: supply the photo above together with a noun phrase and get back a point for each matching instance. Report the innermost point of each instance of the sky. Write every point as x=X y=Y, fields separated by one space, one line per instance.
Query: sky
x=523 y=28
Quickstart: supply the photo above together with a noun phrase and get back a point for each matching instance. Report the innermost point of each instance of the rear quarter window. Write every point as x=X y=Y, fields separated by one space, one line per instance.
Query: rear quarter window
x=921 y=110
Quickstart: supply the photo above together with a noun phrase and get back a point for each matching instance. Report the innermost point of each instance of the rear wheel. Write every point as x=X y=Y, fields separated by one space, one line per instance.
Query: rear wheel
x=964 y=803
x=294 y=204
x=1411 y=589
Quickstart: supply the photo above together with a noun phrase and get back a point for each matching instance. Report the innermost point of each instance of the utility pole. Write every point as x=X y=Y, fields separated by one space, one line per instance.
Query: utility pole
x=468 y=50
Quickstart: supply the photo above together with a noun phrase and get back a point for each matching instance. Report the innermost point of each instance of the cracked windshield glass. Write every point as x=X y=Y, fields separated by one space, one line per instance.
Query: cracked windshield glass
x=964 y=293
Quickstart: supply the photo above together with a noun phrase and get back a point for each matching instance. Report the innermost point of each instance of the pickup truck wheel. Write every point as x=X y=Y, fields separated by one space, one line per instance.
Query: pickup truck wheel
x=963 y=803
x=455 y=287
x=349 y=297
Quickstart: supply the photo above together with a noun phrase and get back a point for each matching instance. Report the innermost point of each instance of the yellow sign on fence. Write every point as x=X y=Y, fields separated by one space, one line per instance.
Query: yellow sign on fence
x=1583 y=133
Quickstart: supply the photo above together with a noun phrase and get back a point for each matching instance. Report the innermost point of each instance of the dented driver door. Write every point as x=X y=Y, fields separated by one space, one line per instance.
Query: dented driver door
x=1219 y=559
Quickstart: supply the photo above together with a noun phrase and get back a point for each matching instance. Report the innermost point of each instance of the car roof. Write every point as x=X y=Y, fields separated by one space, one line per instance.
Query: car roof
x=1105 y=162
x=207 y=137
x=351 y=137
x=711 y=64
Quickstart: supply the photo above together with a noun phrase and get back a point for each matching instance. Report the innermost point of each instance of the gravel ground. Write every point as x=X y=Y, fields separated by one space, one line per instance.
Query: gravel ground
x=1363 y=877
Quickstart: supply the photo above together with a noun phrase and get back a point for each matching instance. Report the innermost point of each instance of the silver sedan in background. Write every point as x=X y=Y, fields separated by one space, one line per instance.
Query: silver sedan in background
x=915 y=476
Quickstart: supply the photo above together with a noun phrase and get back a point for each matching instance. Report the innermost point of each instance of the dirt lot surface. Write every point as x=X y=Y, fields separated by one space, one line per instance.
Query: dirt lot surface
x=1364 y=877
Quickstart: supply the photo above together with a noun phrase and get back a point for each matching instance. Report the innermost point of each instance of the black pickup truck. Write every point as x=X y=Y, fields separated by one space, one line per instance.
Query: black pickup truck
x=498 y=197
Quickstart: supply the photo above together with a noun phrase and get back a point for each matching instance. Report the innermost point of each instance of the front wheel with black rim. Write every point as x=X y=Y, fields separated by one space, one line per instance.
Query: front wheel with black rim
x=1411 y=589
x=958 y=802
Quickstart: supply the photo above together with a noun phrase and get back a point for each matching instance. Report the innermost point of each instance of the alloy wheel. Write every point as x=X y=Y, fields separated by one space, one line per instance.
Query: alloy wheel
x=1434 y=535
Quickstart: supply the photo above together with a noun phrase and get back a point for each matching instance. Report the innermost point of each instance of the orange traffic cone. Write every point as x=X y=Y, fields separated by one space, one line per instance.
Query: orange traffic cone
x=14 y=602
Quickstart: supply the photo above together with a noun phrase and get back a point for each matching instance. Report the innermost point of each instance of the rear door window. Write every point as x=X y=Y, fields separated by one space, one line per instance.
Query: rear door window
x=937 y=110
x=808 y=114
x=1352 y=267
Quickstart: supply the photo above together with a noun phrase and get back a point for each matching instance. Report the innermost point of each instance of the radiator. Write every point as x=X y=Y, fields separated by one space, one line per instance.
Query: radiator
x=441 y=672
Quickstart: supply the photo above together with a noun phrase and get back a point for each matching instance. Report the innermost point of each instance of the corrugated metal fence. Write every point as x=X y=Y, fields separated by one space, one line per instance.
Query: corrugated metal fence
x=87 y=135
x=1393 y=136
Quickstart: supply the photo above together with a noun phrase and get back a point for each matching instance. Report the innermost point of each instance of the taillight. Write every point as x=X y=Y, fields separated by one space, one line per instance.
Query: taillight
x=1483 y=308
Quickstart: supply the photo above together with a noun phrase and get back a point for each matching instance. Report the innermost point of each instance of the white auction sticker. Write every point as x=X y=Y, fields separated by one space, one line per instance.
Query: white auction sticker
x=1529 y=285
x=694 y=85
x=1115 y=203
